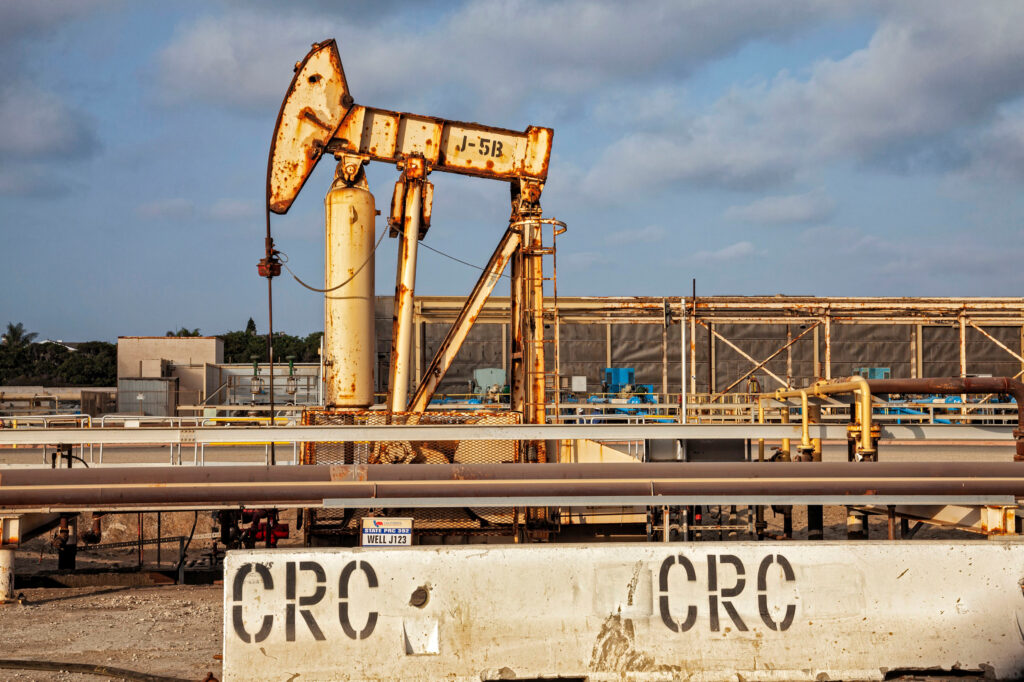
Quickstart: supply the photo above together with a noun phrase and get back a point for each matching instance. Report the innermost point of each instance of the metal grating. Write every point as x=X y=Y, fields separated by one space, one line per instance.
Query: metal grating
x=439 y=521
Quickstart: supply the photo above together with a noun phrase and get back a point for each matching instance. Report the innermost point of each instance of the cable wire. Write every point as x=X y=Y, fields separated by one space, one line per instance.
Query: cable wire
x=457 y=260
x=284 y=262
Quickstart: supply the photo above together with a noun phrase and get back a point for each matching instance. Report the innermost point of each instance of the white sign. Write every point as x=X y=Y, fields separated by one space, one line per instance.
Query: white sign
x=655 y=611
x=386 y=532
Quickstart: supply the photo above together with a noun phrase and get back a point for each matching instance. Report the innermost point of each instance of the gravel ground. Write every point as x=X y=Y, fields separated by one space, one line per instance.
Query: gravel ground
x=172 y=631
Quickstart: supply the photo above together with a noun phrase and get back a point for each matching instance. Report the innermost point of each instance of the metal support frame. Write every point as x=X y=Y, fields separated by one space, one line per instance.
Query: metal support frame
x=761 y=365
x=459 y=330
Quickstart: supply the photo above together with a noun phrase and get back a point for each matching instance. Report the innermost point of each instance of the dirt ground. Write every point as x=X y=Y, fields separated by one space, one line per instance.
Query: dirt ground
x=166 y=630
x=173 y=631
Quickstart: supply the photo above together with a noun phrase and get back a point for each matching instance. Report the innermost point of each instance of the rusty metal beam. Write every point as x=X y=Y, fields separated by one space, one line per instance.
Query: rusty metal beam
x=319 y=115
x=760 y=365
x=445 y=355
x=996 y=341
x=450 y=146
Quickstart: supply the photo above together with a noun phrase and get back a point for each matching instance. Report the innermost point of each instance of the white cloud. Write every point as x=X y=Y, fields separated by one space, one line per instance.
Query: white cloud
x=40 y=126
x=998 y=152
x=957 y=265
x=737 y=251
x=652 y=234
x=583 y=260
x=812 y=207
x=35 y=123
x=26 y=182
x=242 y=58
x=234 y=209
x=166 y=209
x=22 y=19
x=932 y=74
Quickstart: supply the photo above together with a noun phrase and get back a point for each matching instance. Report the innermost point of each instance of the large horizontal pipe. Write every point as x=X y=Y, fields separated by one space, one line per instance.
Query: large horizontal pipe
x=961 y=385
x=378 y=473
x=310 y=486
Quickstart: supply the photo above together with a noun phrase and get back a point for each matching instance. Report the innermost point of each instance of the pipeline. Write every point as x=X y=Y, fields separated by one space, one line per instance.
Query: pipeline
x=862 y=409
x=155 y=488
x=962 y=385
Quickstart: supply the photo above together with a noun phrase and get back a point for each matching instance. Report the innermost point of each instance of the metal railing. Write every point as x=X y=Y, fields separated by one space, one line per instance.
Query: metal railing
x=200 y=458
x=596 y=422
x=937 y=411
x=139 y=422
x=50 y=421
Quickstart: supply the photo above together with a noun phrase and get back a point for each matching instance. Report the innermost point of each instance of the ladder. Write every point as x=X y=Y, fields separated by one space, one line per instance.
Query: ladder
x=542 y=308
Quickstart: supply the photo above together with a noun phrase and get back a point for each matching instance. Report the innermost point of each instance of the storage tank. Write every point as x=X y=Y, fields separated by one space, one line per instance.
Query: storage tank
x=349 y=335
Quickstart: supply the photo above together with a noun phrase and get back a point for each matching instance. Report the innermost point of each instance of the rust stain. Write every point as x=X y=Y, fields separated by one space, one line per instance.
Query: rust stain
x=293 y=156
x=349 y=472
x=632 y=583
x=616 y=650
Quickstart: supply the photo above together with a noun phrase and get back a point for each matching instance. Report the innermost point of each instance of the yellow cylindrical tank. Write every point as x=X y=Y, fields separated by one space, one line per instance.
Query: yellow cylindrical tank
x=349 y=334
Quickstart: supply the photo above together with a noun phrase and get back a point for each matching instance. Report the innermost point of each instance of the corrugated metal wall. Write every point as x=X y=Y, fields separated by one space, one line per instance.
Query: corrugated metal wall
x=148 y=397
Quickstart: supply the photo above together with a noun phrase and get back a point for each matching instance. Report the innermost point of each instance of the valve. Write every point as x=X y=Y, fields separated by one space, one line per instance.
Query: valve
x=270 y=265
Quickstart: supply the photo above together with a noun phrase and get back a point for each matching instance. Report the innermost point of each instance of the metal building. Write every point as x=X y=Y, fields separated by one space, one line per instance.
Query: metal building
x=779 y=340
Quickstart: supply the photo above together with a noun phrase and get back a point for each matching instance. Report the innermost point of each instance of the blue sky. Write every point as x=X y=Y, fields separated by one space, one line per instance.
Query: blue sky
x=805 y=147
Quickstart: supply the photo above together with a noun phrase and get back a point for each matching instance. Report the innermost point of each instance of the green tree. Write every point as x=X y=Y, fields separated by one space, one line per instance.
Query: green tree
x=17 y=337
x=184 y=331
x=93 y=363
x=250 y=327
x=241 y=346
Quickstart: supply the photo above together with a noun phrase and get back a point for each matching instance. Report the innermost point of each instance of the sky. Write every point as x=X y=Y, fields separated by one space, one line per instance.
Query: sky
x=805 y=147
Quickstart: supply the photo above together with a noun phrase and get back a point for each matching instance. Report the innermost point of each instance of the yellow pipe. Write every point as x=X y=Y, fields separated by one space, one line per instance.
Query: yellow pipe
x=862 y=408
x=786 y=445
x=760 y=420
x=805 y=436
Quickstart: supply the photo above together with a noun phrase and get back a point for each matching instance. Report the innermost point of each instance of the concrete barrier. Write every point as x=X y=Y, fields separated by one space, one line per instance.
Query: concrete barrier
x=696 y=611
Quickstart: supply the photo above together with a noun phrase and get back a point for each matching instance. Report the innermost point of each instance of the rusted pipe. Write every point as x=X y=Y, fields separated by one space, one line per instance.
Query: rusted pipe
x=411 y=187
x=269 y=487
x=242 y=477
x=962 y=386
x=155 y=497
x=95 y=534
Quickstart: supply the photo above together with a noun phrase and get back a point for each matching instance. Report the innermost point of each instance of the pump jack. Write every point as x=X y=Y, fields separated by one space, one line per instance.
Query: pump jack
x=319 y=116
